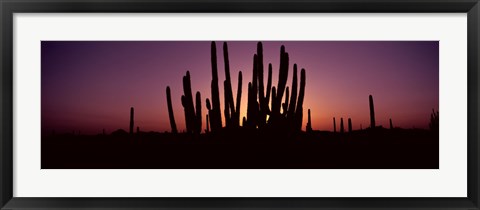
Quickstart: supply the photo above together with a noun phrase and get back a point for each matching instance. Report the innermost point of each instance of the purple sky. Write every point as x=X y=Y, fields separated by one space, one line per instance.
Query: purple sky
x=91 y=85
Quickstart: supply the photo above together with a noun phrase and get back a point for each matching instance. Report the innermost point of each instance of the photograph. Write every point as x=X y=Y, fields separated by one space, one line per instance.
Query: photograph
x=233 y=104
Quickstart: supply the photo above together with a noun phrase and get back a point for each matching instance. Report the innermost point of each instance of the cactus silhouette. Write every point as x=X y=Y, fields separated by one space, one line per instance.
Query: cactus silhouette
x=299 y=109
x=372 y=112
x=215 y=115
x=334 y=126
x=309 y=122
x=187 y=102
x=293 y=98
x=434 y=124
x=269 y=87
x=193 y=114
x=263 y=102
x=173 y=125
x=138 y=130
x=285 y=114
x=208 y=126
x=228 y=93
x=236 y=119
x=198 y=113
x=285 y=104
x=349 y=125
x=252 y=104
x=209 y=108
x=391 y=125
x=226 y=110
x=131 y=120
x=252 y=107
x=341 y=125
x=282 y=79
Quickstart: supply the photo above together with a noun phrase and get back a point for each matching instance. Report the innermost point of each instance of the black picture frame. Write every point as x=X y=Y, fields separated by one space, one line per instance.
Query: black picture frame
x=9 y=7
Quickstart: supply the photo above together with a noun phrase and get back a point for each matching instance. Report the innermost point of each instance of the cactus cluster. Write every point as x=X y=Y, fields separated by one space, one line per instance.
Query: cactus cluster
x=284 y=112
x=281 y=116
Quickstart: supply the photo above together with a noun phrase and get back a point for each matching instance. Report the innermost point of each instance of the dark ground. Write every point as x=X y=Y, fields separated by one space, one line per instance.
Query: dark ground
x=367 y=149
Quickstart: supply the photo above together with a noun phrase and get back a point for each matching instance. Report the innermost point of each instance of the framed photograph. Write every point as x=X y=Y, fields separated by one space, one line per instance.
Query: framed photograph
x=239 y=105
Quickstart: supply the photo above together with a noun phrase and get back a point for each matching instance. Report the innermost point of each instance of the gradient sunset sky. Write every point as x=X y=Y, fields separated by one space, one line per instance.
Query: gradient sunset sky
x=88 y=86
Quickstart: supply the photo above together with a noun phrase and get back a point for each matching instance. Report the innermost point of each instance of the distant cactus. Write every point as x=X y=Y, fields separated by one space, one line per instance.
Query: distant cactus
x=349 y=125
x=372 y=112
x=309 y=122
x=173 y=125
x=138 y=130
x=334 y=126
x=341 y=125
x=391 y=125
x=131 y=120
x=434 y=124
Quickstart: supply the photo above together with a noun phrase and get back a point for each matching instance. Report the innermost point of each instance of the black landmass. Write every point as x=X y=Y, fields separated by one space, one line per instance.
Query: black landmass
x=244 y=149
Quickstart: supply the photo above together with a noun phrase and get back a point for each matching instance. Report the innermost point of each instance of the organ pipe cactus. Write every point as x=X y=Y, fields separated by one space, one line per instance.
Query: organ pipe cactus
x=198 y=113
x=208 y=125
x=236 y=120
x=349 y=125
x=187 y=102
x=262 y=113
x=372 y=112
x=282 y=80
x=299 y=108
x=131 y=120
x=309 y=122
x=334 y=126
x=285 y=104
x=293 y=98
x=193 y=114
x=215 y=116
x=173 y=125
x=341 y=125
x=229 y=104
